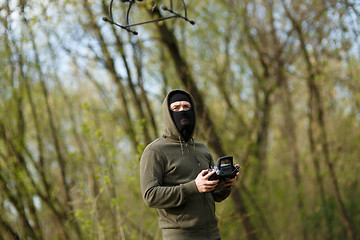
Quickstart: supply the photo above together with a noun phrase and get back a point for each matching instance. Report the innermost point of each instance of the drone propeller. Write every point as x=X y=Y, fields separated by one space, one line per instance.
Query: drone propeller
x=128 y=26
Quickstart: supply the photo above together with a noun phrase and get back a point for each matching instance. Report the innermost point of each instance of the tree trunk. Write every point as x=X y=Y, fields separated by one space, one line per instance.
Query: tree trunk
x=290 y=134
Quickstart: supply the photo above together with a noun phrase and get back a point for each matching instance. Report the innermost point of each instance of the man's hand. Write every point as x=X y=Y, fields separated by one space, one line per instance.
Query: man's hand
x=203 y=183
x=232 y=181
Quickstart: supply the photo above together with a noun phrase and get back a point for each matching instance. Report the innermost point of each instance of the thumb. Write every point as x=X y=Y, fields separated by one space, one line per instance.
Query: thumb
x=204 y=172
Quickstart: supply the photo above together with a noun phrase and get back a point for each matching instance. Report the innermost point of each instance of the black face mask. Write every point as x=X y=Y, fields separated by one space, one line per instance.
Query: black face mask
x=184 y=122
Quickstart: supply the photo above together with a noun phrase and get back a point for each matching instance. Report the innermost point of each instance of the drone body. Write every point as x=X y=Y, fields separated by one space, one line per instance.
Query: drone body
x=128 y=26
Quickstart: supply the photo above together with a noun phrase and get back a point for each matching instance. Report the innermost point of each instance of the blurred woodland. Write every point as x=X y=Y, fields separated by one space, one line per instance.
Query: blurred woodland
x=277 y=85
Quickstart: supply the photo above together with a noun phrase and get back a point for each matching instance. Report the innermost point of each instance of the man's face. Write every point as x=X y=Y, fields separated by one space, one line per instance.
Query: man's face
x=179 y=106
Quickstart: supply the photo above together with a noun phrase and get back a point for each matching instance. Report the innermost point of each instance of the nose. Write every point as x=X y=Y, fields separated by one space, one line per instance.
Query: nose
x=182 y=108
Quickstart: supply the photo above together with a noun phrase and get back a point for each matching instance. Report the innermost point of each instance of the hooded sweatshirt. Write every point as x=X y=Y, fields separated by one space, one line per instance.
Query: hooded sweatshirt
x=168 y=168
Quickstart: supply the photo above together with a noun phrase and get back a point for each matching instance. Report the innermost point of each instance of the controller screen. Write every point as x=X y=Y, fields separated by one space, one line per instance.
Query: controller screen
x=225 y=162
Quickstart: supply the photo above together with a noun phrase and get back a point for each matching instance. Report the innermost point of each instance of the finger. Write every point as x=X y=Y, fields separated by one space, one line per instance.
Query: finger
x=230 y=182
x=212 y=183
x=204 y=172
x=210 y=188
x=209 y=173
x=233 y=180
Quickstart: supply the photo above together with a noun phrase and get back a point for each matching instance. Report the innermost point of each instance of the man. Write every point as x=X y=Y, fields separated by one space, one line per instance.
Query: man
x=174 y=176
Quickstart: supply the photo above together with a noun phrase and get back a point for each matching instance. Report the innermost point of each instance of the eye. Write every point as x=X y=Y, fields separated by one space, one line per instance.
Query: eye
x=175 y=108
x=186 y=107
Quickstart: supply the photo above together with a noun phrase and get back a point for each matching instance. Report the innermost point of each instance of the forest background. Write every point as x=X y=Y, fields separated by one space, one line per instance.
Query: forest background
x=277 y=85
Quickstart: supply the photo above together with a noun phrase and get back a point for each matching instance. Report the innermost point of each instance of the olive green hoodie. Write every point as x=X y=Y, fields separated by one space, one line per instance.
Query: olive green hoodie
x=168 y=168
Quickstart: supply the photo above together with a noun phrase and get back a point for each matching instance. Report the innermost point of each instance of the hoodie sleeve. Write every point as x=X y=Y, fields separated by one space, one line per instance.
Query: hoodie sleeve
x=221 y=193
x=152 y=170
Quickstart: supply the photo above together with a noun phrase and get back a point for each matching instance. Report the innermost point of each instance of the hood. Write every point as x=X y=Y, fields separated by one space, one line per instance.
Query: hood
x=170 y=129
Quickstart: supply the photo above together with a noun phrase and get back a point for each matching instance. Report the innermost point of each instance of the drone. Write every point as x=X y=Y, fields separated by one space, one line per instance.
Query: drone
x=128 y=26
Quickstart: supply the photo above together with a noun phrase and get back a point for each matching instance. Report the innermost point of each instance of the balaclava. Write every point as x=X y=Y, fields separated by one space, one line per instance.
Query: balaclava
x=184 y=120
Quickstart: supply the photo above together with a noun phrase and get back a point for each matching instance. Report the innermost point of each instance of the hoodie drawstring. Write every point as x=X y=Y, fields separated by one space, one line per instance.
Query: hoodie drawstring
x=193 y=143
x=182 y=147
x=195 y=153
